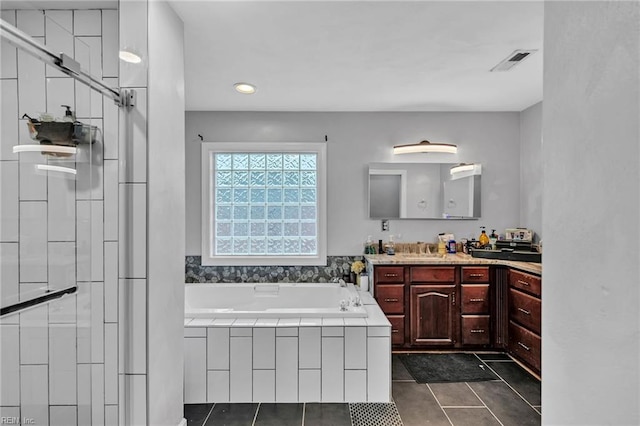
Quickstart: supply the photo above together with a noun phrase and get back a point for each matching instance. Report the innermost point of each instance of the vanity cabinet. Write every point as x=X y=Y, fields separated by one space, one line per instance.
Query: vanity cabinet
x=525 y=307
x=390 y=294
x=475 y=306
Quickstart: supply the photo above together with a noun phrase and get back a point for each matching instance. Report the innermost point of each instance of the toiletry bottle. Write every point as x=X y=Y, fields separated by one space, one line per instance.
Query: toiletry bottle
x=493 y=239
x=442 y=246
x=391 y=249
x=484 y=238
x=68 y=114
x=451 y=246
x=368 y=245
x=380 y=249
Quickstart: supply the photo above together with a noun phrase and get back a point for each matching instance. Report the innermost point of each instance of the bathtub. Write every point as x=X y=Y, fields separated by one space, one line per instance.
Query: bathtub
x=268 y=300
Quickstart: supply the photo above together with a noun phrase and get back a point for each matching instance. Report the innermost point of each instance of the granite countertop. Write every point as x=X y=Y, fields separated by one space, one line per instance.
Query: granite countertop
x=450 y=259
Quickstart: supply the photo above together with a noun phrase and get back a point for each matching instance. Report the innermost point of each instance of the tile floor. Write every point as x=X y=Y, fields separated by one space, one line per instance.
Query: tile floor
x=512 y=400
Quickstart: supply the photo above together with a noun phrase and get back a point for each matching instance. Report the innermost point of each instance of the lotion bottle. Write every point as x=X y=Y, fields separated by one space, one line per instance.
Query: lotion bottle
x=484 y=238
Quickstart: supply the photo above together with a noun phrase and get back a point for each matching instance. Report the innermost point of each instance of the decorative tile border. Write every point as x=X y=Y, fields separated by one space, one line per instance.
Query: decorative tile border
x=337 y=266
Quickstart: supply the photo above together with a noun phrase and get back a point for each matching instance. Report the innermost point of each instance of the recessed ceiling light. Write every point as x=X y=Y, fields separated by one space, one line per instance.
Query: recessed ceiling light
x=245 y=88
x=129 y=56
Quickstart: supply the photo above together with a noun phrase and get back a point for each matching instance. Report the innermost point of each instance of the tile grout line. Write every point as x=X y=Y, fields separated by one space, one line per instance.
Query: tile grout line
x=204 y=423
x=304 y=412
x=512 y=388
x=255 y=416
x=478 y=396
x=439 y=405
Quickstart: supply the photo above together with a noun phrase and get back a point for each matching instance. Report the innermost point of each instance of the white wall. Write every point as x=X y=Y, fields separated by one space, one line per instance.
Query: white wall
x=357 y=139
x=166 y=188
x=531 y=169
x=591 y=179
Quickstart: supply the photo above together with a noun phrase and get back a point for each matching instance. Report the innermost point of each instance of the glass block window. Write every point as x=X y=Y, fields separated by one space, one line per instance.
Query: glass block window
x=265 y=206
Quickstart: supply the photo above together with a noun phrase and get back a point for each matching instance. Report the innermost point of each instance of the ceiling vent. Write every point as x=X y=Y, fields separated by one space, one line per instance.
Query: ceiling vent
x=512 y=60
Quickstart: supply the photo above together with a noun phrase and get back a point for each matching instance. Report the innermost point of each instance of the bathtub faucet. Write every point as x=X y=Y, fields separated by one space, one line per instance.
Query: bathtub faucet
x=336 y=280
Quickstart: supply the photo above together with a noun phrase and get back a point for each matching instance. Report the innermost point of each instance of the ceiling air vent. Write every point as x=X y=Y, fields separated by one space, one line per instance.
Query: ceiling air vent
x=512 y=60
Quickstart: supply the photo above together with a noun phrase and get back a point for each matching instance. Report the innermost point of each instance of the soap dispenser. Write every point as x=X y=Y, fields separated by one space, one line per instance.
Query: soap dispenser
x=68 y=114
x=484 y=238
x=493 y=239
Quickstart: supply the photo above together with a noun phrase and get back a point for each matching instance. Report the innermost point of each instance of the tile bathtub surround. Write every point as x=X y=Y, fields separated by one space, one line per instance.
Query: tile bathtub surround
x=337 y=266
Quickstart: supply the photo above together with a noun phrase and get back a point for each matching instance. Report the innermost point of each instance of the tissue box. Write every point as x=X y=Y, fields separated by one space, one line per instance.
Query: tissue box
x=520 y=234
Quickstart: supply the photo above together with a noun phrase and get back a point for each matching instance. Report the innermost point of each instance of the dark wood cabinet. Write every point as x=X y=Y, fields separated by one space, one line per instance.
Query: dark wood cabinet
x=397 y=329
x=390 y=297
x=433 y=315
x=475 y=306
x=525 y=318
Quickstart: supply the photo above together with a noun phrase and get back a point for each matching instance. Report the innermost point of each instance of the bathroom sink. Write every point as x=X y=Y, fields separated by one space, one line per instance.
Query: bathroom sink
x=519 y=256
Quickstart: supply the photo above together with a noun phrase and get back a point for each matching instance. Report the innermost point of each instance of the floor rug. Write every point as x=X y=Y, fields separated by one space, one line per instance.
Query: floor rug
x=442 y=368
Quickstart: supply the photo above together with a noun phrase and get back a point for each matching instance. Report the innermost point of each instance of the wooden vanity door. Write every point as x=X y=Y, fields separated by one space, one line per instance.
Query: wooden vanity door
x=434 y=315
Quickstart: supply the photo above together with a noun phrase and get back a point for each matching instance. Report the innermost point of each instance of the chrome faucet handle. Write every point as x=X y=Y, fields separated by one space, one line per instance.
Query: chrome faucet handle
x=356 y=301
x=343 y=305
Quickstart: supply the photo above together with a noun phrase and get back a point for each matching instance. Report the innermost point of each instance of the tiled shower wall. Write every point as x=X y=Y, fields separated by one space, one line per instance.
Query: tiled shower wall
x=60 y=363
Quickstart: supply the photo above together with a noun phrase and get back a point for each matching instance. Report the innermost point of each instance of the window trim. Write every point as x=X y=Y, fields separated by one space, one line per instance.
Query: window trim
x=208 y=204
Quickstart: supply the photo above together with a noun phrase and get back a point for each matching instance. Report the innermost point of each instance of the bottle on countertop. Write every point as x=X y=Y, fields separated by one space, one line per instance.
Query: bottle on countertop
x=391 y=249
x=451 y=246
x=493 y=239
x=369 y=248
x=484 y=238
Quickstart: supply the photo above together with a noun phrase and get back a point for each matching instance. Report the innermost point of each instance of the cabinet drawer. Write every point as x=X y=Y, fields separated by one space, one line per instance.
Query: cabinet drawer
x=527 y=282
x=446 y=274
x=525 y=345
x=525 y=310
x=475 y=330
x=397 y=329
x=389 y=274
x=390 y=298
x=476 y=274
x=475 y=299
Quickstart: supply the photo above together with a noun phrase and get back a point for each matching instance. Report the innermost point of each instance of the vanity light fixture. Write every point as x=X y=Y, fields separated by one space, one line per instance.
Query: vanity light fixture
x=465 y=170
x=45 y=149
x=50 y=168
x=245 y=88
x=425 y=146
x=128 y=55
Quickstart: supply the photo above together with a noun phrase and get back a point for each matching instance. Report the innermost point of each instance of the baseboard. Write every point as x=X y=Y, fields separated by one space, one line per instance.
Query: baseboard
x=183 y=422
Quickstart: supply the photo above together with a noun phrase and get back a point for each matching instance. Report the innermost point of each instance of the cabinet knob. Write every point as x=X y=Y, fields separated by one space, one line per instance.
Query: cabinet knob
x=524 y=311
x=525 y=347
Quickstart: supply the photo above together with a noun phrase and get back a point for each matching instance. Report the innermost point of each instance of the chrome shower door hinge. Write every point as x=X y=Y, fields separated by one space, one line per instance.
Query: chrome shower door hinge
x=127 y=98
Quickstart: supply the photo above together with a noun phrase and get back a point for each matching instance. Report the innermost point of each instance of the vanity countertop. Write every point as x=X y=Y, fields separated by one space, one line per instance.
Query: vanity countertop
x=451 y=259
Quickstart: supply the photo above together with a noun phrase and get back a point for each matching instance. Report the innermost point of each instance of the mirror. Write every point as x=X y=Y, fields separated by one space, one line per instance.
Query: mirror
x=424 y=191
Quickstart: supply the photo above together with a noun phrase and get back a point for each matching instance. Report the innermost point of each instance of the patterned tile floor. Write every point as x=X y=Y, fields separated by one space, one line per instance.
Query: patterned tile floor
x=513 y=400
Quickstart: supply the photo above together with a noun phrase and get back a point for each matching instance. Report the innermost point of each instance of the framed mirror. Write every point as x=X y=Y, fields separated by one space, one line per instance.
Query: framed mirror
x=424 y=191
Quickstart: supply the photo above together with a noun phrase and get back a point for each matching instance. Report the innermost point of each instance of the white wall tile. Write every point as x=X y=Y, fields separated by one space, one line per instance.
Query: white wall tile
x=240 y=331
x=133 y=36
x=60 y=415
x=34 y=393
x=31 y=90
x=286 y=369
x=33 y=182
x=264 y=348
x=264 y=386
x=218 y=348
x=133 y=326
x=10 y=365
x=378 y=331
x=62 y=364
x=9 y=289
x=287 y=331
x=355 y=348
x=62 y=265
x=135 y=387
x=97 y=394
x=111 y=281
x=10 y=411
x=61 y=208
x=111 y=363
x=132 y=151
x=90 y=243
x=84 y=394
x=195 y=332
x=111 y=200
x=309 y=385
x=87 y=22
x=110 y=62
x=217 y=386
x=240 y=372
x=309 y=347
x=9 y=116
x=63 y=310
x=111 y=417
x=195 y=370
x=60 y=91
x=332 y=369
x=90 y=170
x=132 y=223
x=9 y=54
x=355 y=385
x=34 y=336
x=379 y=369
x=59 y=37
x=89 y=53
x=9 y=206
x=31 y=22
x=97 y=321
x=33 y=241
x=83 y=322
x=332 y=331
x=110 y=132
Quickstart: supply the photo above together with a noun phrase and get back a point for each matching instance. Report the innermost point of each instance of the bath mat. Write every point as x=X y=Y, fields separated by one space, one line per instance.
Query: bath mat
x=374 y=414
x=442 y=368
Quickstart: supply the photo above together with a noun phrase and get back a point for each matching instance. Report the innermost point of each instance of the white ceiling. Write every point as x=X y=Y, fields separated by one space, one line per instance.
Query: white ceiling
x=361 y=55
